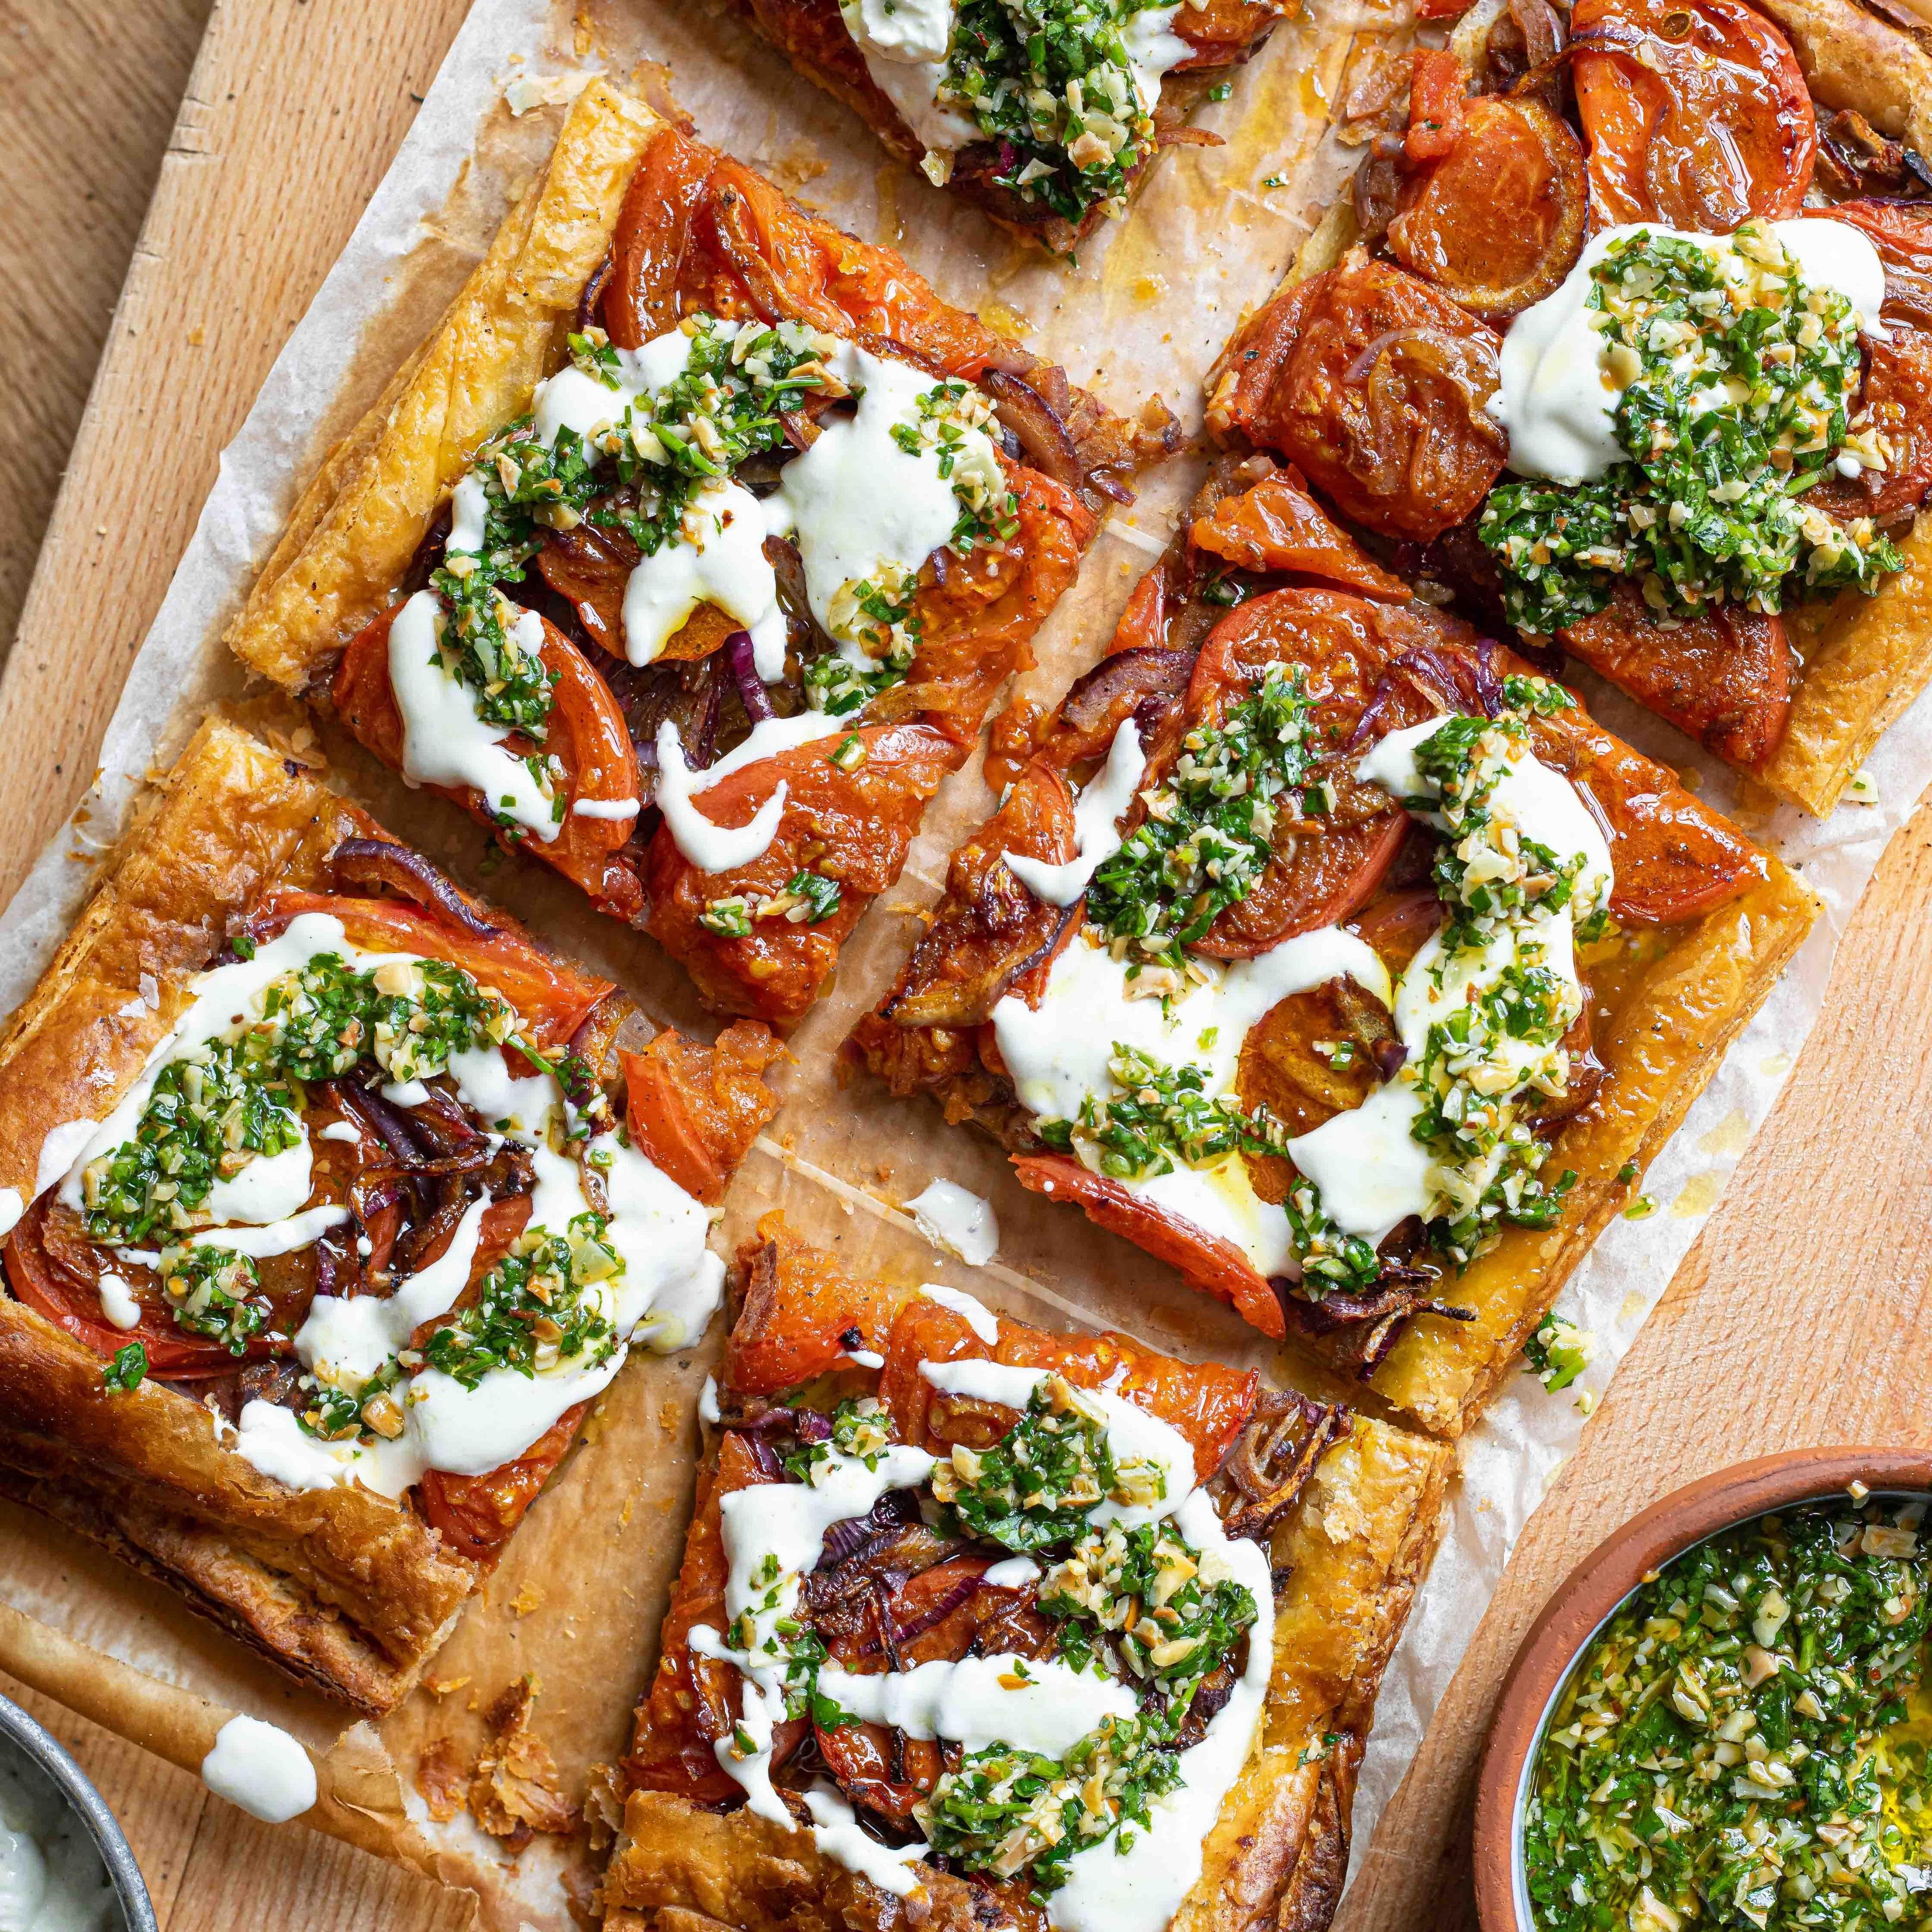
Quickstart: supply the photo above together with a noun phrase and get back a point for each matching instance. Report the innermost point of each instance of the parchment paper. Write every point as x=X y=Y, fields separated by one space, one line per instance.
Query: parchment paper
x=577 y=1601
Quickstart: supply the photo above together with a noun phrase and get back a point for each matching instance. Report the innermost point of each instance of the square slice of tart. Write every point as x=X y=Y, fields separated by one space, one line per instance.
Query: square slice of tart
x=980 y=1625
x=1641 y=370
x=331 y=1203
x=688 y=551
x=1334 y=954
x=1048 y=119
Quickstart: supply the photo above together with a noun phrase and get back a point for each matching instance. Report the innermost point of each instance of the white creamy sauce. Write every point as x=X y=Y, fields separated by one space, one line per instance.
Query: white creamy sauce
x=271 y=1187
x=119 y=1303
x=405 y=1093
x=52 y=1879
x=341 y=1130
x=856 y=501
x=977 y=1316
x=356 y=1333
x=468 y=508
x=712 y=848
x=773 y=1535
x=1142 y=1889
x=953 y=1216
x=1096 y=825
x=905 y=44
x=1060 y=1052
x=278 y=1237
x=445 y=743
x=1044 y=1707
x=261 y=1769
x=11 y=1208
x=59 y=1150
x=1153 y=49
x=1132 y=1434
x=1371 y=1174
x=1013 y=1573
x=835 y=1832
x=606 y=808
x=719 y=558
x=1557 y=398
x=708 y=1410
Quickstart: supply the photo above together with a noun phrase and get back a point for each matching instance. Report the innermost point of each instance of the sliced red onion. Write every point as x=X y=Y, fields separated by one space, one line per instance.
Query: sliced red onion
x=742 y=657
x=373 y=862
x=1043 y=435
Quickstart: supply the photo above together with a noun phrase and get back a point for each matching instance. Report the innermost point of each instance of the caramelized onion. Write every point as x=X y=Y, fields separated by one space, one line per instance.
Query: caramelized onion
x=379 y=862
x=740 y=655
x=1042 y=432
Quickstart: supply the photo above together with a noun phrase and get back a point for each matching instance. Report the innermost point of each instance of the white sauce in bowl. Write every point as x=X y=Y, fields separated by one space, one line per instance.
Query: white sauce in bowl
x=52 y=1879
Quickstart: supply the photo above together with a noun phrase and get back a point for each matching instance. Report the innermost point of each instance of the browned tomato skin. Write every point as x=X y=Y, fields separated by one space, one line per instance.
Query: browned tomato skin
x=1208 y=1403
x=1897 y=397
x=852 y=826
x=476 y=1514
x=586 y=733
x=700 y=231
x=693 y=1110
x=1498 y=222
x=989 y=935
x=1696 y=113
x=1374 y=385
x=1277 y=526
x=1723 y=677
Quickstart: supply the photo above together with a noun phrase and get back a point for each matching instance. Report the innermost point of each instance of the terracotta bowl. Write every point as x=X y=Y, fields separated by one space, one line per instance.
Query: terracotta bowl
x=1594 y=1588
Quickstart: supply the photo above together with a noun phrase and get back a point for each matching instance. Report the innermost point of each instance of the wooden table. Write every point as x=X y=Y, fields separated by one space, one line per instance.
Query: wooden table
x=1799 y=1317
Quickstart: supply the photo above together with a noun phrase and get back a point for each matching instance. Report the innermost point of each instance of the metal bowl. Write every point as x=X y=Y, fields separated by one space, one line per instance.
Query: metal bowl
x=21 y=1737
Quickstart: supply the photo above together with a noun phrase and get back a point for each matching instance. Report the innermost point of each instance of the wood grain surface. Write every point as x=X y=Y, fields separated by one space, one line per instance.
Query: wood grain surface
x=293 y=111
x=1799 y=1318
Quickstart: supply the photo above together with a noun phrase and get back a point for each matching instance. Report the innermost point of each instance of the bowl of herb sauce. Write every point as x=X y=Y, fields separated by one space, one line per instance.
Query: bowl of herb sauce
x=1723 y=1718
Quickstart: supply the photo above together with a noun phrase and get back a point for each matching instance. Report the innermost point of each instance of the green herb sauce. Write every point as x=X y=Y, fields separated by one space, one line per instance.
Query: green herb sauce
x=1744 y=1745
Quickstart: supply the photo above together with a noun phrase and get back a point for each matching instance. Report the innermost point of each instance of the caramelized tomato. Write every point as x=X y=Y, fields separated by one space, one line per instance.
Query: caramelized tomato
x=1375 y=384
x=693 y=1111
x=477 y=1513
x=586 y=733
x=1277 y=526
x=1498 y=222
x=1695 y=111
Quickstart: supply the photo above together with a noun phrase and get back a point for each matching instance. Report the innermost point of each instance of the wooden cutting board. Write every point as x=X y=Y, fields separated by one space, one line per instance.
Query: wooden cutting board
x=1799 y=1318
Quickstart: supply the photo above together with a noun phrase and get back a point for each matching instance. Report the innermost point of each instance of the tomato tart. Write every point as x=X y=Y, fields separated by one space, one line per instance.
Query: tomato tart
x=1333 y=953
x=1046 y=114
x=331 y=1202
x=689 y=550
x=1622 y=338
x=980 y=1624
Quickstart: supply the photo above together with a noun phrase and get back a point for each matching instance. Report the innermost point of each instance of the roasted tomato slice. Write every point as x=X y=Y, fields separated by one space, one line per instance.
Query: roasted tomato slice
x=1499 y=221
x=1209 y=1404
x=1673 y=858
x=554 y=1000
x=1902 y=233
x=477 y=1513
x=1321 y=868
x=587 y=732
x=699 y=231
x=1723 y=677
x=800 y=1305
x=1213 y=1266
x=852 y=824
x=1277 y=526
x=989 y=931
x=51 y=1275
x=1375 y=384
x=1696 y=113
x=1435 y=106
x=693 y=1111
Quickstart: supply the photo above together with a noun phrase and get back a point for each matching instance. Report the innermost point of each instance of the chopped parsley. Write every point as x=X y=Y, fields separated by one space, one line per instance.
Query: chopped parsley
x=1740 y=382
x=808 y=898
x=1037 y=1486
x=214 y=1292
x=1744 y=1742
x=1057 y=85
x=1559 y=1352
x=127 y=1372
x=1209 y=828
